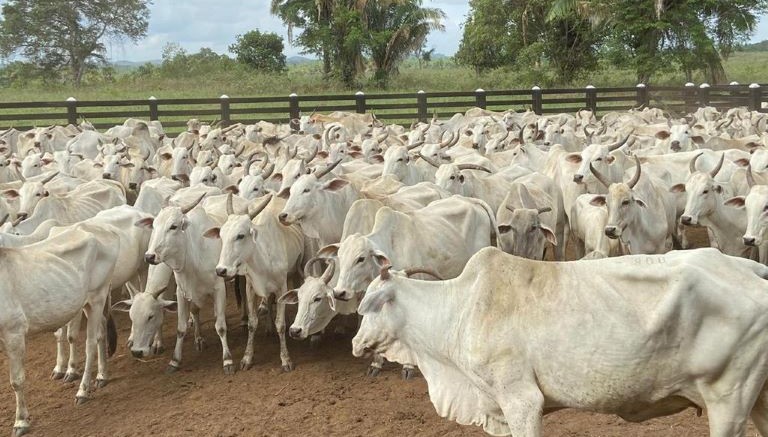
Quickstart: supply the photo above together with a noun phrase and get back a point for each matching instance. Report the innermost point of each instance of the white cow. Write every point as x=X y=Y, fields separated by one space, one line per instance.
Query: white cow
x=512 y=339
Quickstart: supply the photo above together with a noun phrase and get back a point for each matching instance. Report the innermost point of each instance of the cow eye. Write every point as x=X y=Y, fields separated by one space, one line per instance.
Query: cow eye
x=306 y=190
x=453 y=177
x=400 y=160
x=766 y=208
x=705 y=192
x=317 y=299
x=151 y=316
x=361 y=259
x=240 y=236
x=625 y=203
x=173 y=227
x=38 y=194
x=599 y=159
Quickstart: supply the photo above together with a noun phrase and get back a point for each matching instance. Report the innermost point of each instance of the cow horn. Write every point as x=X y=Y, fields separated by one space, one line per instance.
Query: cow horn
x=295 y=152
x=619 y=143
x=631 y=184
x=268 y=172
x=230 y=208
x=520 y=136
x=191 y=206
x=264 y=162
x=309 y=265
x=506 y=134
x=599 y=176
x=382 y=137
x=260 y=207
x=17 y=221
x=692 y=164
x=144 y=157
x=325 y=171
x=750 y=178
x=588 y=135
x=473 y=167
x=509 y=207
x=22 y=178
x=430 y=161
x=417 y=270
x=413 y=125
x=543 y=210
x=384 y=272
x=413 y=146
x=49 y=178
x=328 y=273
x=240 y=150
x=717 y=168
x=448 y=142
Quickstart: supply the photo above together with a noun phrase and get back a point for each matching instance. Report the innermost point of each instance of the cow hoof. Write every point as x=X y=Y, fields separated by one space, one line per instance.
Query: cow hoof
x=373 y=371
x=287 y=367
x=80 y=400
x=408 y=374
x=229 y=369
x=71 y=377
x=101 y=383
x=20 y=431
x=171 y=369
x=157 y=350
x=57 y=375
x=199 y=344
x=245 y=365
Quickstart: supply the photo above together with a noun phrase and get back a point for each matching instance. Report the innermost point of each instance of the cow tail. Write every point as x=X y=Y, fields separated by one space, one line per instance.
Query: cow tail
x=492 y=218
x=111 y=327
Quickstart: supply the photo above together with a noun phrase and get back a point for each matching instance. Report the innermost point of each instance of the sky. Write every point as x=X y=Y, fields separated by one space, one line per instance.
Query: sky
x=215 y=24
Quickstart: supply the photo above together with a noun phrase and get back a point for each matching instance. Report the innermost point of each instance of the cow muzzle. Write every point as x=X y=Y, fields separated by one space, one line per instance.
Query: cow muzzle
x=137 y=354
x=675 y=146
x=749 y=241
x=341 y=295
x=578 y=178
x=222 y=271
x=151 y=258
x=295 y=333
x=106 y=176
x=132 y=185
x=687 y=220
x=283 y=218
x=612 y=232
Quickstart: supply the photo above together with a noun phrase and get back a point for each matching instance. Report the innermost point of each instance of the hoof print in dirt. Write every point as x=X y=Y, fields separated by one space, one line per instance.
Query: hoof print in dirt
x=171 y=369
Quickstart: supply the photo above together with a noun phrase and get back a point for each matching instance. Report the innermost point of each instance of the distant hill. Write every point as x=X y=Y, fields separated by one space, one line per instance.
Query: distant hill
x=761 y=46
x=290 y=60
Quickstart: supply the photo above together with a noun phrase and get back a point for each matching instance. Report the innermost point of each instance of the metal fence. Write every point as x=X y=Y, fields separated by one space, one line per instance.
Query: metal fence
x=401 y=108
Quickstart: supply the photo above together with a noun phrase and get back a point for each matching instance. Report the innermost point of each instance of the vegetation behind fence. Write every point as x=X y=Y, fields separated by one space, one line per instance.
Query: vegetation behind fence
x=402 y=108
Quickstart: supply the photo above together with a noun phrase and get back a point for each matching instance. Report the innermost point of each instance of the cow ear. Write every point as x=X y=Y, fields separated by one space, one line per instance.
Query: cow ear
x=166 y=156
x=373 y=302
x=381 y=259
x=641 y=203
x=662 y=135
x=573 y=158
x=254 y=233
x=291 y=297
x=231 y=189
x=697 y=139
x=152 y=171
x=677 y=188
x=169 y=305
x=128 y=165
x=123 y=305
x=335 y=185
x=323 y=154
x=184 y=223
x=503 y=229
x=355 y=154
x=736 y=202
x=597 y=201
x=404 y=137
x=377 y=158
x=742 y=162
x=718 y=189
x=284 y=193
x=46 y=193
x=328 y=251
x=98 y=164
x=213 y=233
x=11 y=194
x=46 y=161
x=549 y=235
x=146 y=222
x=609 y=159
x=277 y=177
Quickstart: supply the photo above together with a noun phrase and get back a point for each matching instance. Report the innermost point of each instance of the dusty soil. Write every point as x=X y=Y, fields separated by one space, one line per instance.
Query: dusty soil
x=327 y=394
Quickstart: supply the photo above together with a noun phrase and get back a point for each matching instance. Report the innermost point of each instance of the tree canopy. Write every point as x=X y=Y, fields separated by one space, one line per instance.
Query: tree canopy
x=261 y=51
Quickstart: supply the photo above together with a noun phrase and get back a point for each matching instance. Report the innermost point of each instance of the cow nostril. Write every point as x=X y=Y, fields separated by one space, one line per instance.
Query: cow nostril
x=150 y=258
x=221 y=271
x=294 y=332
x=283 y=216
x=106 y=176
x=137 y=354
x=749 y=241
x=578 y=178
x=686 y=219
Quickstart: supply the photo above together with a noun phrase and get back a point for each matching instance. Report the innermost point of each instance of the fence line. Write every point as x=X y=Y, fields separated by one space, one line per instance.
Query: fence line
x=395 y=107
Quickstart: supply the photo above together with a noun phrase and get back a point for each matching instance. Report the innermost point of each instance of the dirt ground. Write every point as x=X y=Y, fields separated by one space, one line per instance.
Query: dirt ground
x=327 y=394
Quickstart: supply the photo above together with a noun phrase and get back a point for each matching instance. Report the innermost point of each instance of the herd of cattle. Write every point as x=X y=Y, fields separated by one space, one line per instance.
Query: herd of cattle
x=414 y=229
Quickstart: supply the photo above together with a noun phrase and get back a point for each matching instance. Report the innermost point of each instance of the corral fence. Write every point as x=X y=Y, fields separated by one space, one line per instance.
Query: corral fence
x=402 y=108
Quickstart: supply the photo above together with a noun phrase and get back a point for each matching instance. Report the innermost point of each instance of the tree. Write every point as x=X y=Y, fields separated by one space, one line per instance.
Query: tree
x=261 y=51
x=397 y=30
x=56 y=34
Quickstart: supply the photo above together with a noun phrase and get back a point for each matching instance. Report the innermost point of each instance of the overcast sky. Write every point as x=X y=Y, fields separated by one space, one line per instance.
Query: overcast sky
x=214 y=24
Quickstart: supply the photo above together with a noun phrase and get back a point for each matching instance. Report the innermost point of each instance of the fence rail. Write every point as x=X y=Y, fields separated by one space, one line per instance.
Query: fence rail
x=395 y=107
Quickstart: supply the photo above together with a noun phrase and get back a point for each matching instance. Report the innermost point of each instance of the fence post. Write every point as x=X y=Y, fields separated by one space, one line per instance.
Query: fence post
x=591 y=98
x=689 y=96
x=536 y=100
x=225 y=115
x=153 y=115
x=704 y=95
x=72 y=110
x=642 y=99
x=360 y=102
x=294 y=114
x=480 y=101
x=755 y=97
x=421 y=101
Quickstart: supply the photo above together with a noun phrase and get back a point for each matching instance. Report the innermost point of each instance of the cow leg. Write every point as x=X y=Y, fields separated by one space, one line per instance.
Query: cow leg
x=94 y=336
x=157 y=344
x=375 y=368
x=199 y=340
x=523 y=411
x=182 y=314
x=242 y=300
x=73 y=335
x=15 y=349
x=220 y=308
x=727 y=408
x=760 y=413
x=102 y=373
x=562 y=231
x=285 y=359
x=253 y=324
x=59 y=369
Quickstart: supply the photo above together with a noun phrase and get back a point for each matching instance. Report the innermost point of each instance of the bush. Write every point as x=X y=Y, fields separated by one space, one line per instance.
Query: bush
x=260 y=51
